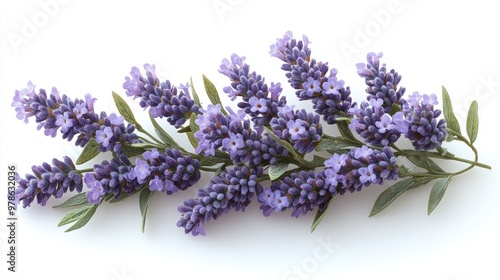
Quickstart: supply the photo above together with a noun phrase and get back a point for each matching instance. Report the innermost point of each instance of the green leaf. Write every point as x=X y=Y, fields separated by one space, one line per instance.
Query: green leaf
x=277 y=169
x=184 y=129
x=437 y=193
x=77 y=200
x=449 y=116
x=212 y=93
x=194 y=127
x=125 y=110
x=320 y=215
x=195 y=95
x=426 y=163
x=346 y=133
x=335 y=145
x=472 y=122
x=164 y=136
x=395 y=108
x=394 y=191
x=144 y=199
x=90 y=151
x=285 y=145
x=84 y=219
x=74 y=215
x=213 y=160
x=132 y=150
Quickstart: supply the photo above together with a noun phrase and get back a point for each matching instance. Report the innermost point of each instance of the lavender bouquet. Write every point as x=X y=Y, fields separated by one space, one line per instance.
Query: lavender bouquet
x=264 y=150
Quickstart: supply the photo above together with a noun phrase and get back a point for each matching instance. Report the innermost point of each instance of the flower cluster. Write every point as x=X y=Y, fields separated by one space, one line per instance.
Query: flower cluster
x=381 y=85
x=361 y=167
x=421 y=124
x=49 y=180
x=168 y=171
x=311 y=79
x=387 y=115
x=260 y=101
x=232 y=189
x=265 y=148
x=303 y=191
x=303 y=130
x=235 y=136
x=162 y=98
x=74 y=118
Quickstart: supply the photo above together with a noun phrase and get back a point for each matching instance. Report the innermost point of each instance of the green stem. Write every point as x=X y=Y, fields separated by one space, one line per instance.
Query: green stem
x=447 y=157
x=81 y=171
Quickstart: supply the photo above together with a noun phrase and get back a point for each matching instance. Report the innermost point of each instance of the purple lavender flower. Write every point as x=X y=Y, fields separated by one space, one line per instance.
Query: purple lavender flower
x=96 y=189
x=312 y=80
x=372 y=123
x=260 y=101
x=232 y=189
x=360 y=167
x=421 y=124
x=167 y=171
x=162 y=99
x=104 y=135
x=311 y=86
x=75 y=118
x=235 y=136
x=381 y=84
x=303 y=130
x=47 y=181
x=303 y=192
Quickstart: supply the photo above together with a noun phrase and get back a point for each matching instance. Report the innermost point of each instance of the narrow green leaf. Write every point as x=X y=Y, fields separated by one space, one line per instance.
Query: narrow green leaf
x=76 y=200
x=285 y=144
x=426 y=163
x=184 y=129
x=84 y=219
x=164 y=136
x=144 y=199
x=449 y=115
x=212 y=93
x=437 y=193
x=132 y=151
x=396 y=190
x=336 y=145
x=125 y=110
x=90 y=151
x=346 y=133
x=213 y=160
x=195 y=95
x=320 y=215
x=472 y=122
x=277 y=169
x=74 y=215
x=395 y=108
x=194 y=128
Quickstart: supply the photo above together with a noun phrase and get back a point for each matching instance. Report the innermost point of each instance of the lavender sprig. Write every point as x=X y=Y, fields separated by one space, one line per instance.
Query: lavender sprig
x=264 y=148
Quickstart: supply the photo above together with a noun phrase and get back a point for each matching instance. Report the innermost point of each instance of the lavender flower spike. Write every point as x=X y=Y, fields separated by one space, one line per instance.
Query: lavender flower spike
x=162 y=98
x=232 y=189
x=47 y=181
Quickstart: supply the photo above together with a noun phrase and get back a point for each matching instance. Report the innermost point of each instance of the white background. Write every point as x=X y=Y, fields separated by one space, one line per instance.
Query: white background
x=89 y=47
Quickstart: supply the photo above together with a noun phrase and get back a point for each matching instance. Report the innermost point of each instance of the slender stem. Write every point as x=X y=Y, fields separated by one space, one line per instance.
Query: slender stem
x=440 y=156
x=81 y=171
